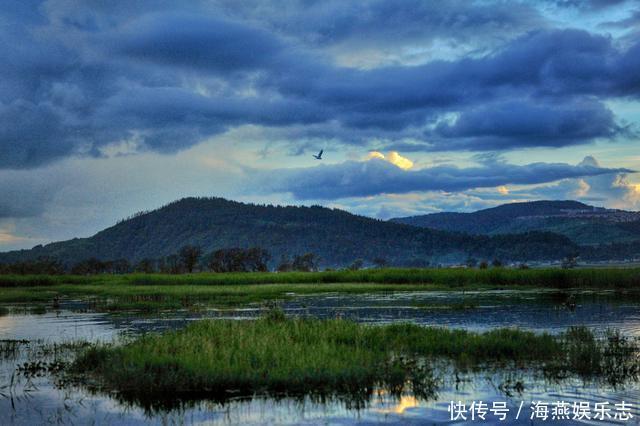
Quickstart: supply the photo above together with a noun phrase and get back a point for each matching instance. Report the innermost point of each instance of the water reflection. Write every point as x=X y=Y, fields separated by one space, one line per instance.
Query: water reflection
x=41 y=400
x=49 y=405
x=533 y=310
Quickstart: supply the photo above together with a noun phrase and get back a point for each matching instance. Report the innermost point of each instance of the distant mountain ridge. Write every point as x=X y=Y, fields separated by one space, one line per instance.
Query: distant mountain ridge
x=335 y=236
x=582 y=223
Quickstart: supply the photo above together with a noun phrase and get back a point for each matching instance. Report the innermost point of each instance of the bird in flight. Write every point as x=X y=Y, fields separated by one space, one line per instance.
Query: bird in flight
x=319 y=156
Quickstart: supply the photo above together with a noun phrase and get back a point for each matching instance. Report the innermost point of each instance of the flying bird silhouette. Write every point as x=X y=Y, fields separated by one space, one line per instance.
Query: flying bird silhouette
x=319 y=156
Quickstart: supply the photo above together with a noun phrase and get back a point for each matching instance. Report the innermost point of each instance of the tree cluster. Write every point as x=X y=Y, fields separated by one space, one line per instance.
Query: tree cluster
x=42 y=265
x=307 y=262
x=239 y=260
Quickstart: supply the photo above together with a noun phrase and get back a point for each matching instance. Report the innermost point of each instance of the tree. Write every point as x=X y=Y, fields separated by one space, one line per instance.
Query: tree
x=145 y=266
x=569 y=262
x=257 y=259
x=483 y=265
x=119 y=266
x=89 y=266
x=41 y=265
x=497 y=263
x=227 y=260
x=285 y=264
x=189 y=256
x=173 y=264
x=380 y=262
x=162 y=265
x=305 y=263
x=254 y=259
x=356 y=265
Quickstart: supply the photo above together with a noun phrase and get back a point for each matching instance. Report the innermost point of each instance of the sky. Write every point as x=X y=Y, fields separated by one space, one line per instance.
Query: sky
x=111 y=108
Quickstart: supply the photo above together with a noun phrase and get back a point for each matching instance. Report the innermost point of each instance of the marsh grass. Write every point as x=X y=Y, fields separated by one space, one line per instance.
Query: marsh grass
x=38 y=310
x=613 y=359
x=114 y=297
x=547 y=277
x=544 y=277
x=217 y=359
x=10 y=348
x=272 y=355
x=152 y=292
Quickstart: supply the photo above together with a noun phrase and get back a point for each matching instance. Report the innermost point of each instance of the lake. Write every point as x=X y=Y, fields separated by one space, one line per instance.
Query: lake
x=39 y=398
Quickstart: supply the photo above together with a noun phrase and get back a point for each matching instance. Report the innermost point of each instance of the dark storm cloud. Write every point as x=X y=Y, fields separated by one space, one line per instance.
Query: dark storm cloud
x=589 y=5
x=557 y=71
x=191 y=40
x=374 y=177
x=173 y=118
x=379 y=22
x=527 y=123
x=558 y=63
x=76 y=78
x=28 y=134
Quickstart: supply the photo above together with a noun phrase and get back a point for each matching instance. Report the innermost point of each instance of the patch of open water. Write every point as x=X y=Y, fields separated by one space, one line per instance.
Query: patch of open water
x=39 y=401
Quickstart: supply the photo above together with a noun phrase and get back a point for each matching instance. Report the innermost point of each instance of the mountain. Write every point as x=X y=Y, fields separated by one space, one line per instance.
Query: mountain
x=336 y=236
x=582 y=223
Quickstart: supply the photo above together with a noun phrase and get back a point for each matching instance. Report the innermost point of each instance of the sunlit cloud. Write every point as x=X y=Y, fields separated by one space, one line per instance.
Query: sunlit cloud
x=377 y=176
x=631 y=192
x=6 y=237
x=375 y=154
x=503 y=190
x=583 y=189
x=392 y=157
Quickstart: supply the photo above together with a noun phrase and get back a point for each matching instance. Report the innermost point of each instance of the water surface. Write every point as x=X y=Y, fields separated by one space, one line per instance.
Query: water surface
x=39 y=400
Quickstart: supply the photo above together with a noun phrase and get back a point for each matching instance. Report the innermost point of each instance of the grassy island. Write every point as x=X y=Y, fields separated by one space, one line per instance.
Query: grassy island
x=277 y=355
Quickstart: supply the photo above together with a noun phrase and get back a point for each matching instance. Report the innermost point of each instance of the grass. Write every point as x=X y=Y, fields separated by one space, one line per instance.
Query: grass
x=10 y=348
x=280 y=356
x=549 y=277
x=149 y=292
x=114 y=297
x=38 y=310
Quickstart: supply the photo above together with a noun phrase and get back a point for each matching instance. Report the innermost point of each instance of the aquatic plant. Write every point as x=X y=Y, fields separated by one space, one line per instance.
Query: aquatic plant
x=10 y=348
x=615 y=358
x=298 y=356
x=38 y=310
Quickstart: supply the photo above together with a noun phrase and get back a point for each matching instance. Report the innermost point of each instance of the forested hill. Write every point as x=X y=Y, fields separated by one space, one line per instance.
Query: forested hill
x=582 y=223
x=335 y=236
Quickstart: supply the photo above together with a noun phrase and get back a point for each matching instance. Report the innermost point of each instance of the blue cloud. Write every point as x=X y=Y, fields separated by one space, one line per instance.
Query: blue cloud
x=383 y=23
x=531 y=122
x=196 y=41
x=78 y=78
x=375 y=177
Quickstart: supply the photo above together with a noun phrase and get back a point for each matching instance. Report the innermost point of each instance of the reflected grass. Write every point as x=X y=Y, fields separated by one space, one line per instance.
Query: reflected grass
x=114 y=297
